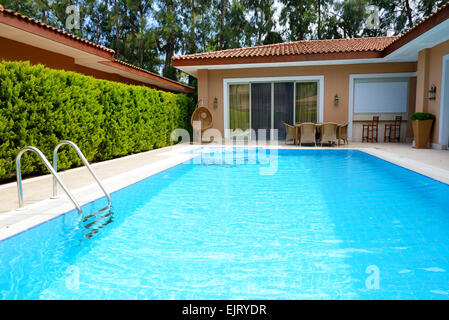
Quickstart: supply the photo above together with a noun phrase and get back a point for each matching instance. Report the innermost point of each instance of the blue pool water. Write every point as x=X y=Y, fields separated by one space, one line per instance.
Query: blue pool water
x=328 y=224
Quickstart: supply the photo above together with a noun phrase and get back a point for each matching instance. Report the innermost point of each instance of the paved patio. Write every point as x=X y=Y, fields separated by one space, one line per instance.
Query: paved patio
x=40 y=188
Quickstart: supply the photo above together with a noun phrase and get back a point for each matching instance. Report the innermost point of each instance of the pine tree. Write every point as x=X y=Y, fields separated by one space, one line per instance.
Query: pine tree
x=147 y=33
x=299 y=16
x=169 y=30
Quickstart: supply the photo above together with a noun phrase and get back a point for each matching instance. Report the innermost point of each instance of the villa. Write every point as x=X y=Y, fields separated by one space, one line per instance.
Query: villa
x=153 y=215
x=341 y=80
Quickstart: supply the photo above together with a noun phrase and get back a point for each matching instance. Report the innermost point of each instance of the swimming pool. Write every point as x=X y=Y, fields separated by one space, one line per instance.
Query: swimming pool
x=326 y=224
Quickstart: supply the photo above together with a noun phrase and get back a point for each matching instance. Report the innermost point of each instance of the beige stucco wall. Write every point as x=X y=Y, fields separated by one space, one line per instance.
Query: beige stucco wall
x=430 y=64
x=336 y=81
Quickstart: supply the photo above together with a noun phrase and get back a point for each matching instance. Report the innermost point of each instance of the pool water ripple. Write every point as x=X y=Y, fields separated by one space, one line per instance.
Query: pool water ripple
x=195 y=231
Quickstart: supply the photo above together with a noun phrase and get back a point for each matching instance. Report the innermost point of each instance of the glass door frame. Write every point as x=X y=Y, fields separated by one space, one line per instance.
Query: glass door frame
x=230 y=81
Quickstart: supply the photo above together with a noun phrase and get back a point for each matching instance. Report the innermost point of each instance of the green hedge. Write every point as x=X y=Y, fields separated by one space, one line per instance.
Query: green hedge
x=41 y=106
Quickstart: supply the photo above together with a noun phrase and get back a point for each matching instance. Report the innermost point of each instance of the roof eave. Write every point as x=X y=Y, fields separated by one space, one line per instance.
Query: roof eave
x=279 y=59
x=14 y=21
x=168 y=83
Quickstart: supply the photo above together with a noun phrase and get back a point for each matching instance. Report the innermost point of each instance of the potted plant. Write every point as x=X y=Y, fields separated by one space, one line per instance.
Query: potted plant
x=422 y=126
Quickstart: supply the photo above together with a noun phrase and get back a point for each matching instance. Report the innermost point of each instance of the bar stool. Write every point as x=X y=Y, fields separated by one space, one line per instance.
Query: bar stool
x=369 y=131
x=392 y=131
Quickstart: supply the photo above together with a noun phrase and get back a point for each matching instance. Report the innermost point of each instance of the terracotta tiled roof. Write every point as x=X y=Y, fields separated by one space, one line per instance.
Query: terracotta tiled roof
x=298 y=48
x=53 y=29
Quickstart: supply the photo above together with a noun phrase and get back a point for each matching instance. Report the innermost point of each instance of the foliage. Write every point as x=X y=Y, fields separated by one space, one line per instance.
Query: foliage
x=299 y=15
x=147 y=33
x=40 y=106
x=422 y=116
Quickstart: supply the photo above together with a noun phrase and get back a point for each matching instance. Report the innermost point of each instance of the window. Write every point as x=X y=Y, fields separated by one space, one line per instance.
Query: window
x=306 y=102
x=381 y=95
x=239 y=106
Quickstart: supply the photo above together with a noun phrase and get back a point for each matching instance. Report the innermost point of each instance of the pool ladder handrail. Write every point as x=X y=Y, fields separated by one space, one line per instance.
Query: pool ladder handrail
x=49 y=167
x=86 y=163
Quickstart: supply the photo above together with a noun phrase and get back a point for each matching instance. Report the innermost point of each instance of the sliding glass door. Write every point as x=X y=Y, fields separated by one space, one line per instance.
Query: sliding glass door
x=268 y=105
x=306 y=104
x=283 y=106
x=239 y=108
x=261 y=108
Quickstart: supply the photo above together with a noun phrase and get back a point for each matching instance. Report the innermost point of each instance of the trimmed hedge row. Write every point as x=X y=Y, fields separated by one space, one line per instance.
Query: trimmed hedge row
x=41 y=106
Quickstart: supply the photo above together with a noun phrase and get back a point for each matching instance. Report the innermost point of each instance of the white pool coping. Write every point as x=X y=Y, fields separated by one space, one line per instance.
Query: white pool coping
x=433 y=172
x=17 y=221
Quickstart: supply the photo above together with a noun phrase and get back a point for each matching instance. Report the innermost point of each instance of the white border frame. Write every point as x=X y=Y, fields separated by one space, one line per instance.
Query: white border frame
x=228 y=81
x=443 y=133
x=353 y=77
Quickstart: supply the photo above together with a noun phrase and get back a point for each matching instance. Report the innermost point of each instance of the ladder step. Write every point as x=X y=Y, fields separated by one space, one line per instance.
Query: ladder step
x=96 y=213
x=97 y=229
x=96 y=221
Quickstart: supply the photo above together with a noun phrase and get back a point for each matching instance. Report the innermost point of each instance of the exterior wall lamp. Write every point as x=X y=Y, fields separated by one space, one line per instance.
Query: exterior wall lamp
x=432 y=92
x=336 y=99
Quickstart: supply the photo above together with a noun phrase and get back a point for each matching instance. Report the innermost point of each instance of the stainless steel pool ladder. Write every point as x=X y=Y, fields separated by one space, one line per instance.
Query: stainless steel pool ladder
x=49 y=167
x=56 y=178
x=86 y=163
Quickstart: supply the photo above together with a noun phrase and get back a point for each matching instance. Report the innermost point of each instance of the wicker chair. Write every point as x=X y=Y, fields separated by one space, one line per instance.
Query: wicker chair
x=329 y=133
x=308 y=133
x=342 y=133
x=201 y=116
x=290 y=133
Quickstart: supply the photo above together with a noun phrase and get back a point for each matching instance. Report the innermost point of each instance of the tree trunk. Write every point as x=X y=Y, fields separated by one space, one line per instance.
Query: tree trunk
x=97 y=33
x=44 y=16
x=300 y=31
x=141 y=35
x=409 y=13
x=319 y=18
x=117 y=49
x=223 y=17
x=259 y=39
x=133 y=41
x=192 y=37
x=169 y=52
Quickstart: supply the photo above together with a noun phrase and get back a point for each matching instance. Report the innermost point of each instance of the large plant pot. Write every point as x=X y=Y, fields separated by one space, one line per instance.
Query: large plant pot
x=421 y=133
